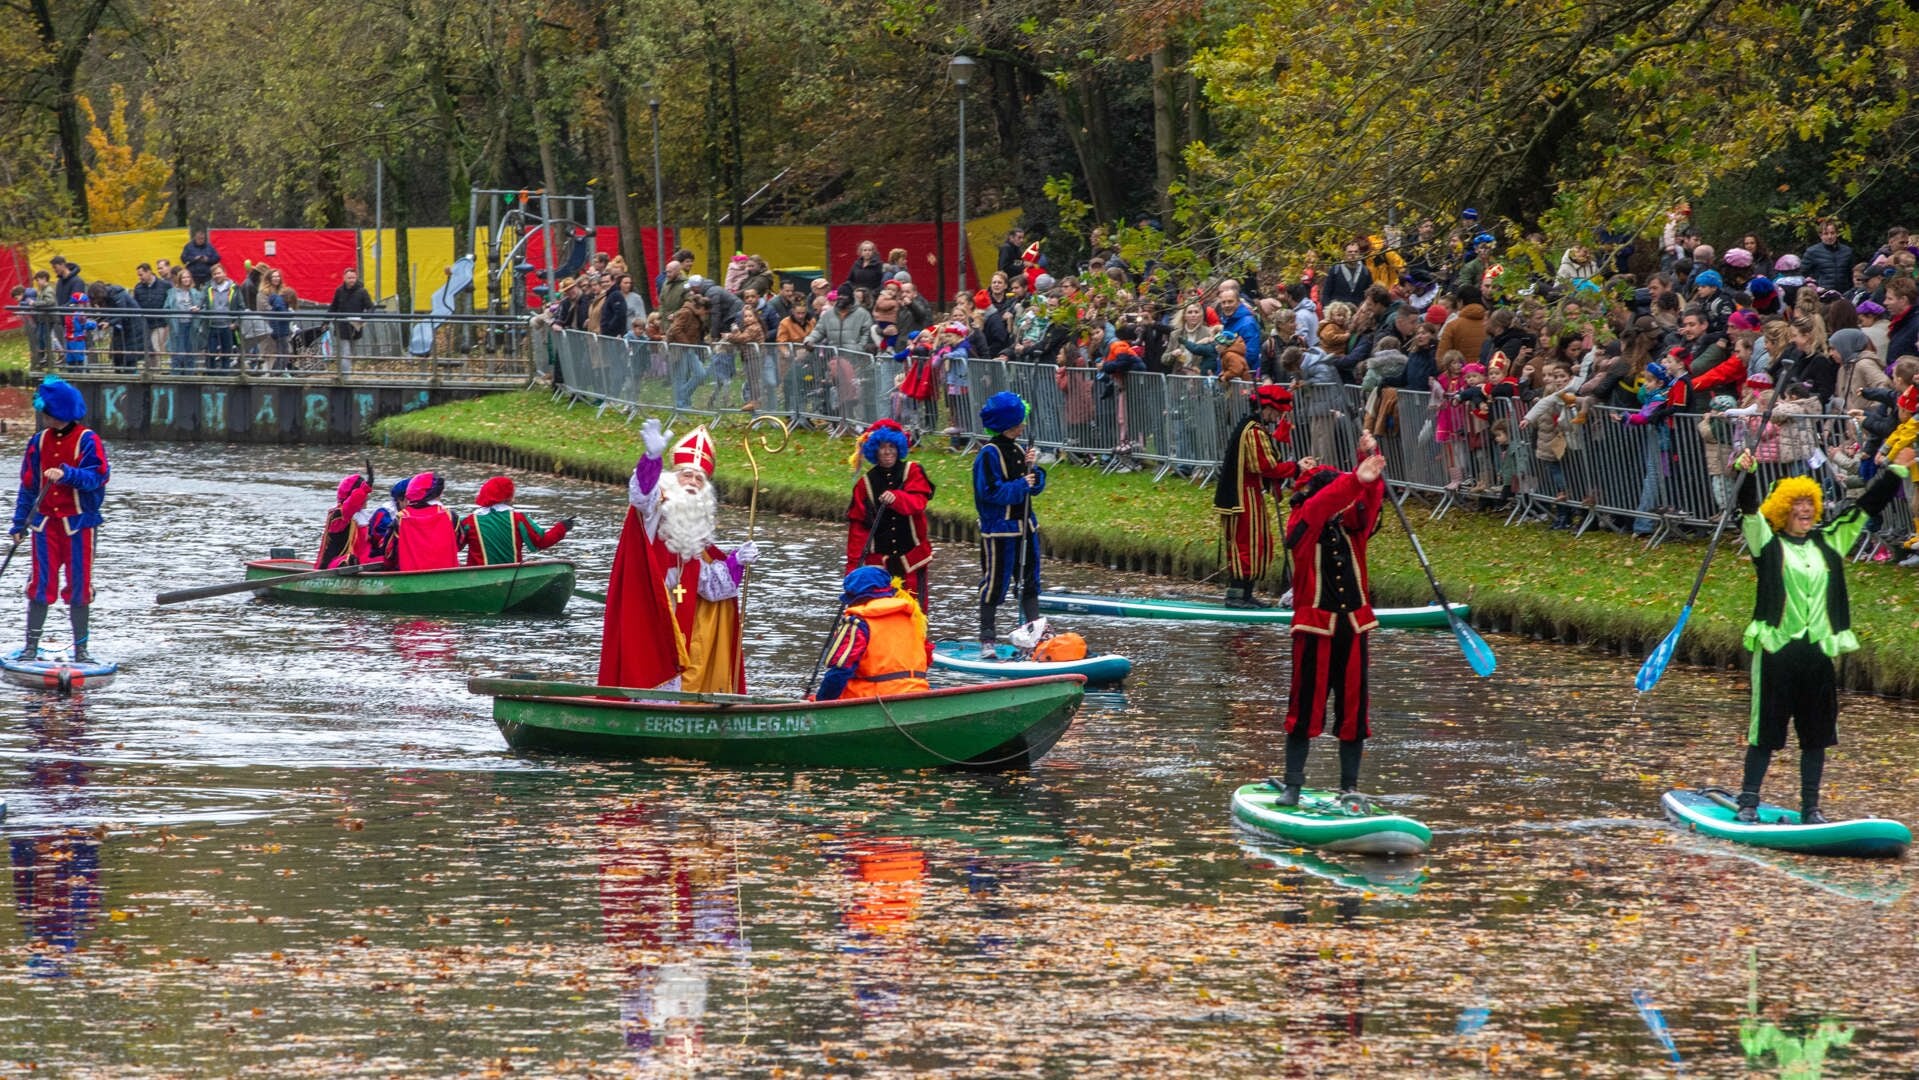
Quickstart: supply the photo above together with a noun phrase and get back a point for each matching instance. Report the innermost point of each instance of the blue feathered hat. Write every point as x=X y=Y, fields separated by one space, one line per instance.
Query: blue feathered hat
x=1003 y=411
x=398 y=490
x=59 y=399
x=881 y=433
x=866 y=583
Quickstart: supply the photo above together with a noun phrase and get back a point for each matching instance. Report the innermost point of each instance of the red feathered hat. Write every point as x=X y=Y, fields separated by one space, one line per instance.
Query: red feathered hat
x=696 y=449
x=1273 y=397
x=495 y=491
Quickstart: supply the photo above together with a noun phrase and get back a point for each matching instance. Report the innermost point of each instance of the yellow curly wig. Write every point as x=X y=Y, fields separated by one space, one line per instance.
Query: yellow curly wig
x=1778 y=505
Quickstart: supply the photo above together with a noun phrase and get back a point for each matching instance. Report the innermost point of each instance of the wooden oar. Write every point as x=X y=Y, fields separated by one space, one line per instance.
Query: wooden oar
x=1478 y=653
x=537 y=688
x=204 y=591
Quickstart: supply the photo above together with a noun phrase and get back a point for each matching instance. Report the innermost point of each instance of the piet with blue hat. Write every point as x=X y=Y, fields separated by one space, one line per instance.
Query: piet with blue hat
x=63 y=482
x=886 y=520
x=879 y=646
x=1004 y=487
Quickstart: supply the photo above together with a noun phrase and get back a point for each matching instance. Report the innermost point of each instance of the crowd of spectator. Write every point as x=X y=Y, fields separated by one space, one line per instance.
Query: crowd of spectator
x=1503 y=352
x=186 y=316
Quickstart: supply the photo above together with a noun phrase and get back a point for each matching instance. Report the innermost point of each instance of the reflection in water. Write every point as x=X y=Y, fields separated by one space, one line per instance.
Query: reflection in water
x=669 y=898
x=1402 y=877
x=887 y=875
x=1797 y=1057
x=56 y=874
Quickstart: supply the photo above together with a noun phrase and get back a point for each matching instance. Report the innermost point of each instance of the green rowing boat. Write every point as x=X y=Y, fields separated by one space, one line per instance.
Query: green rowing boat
x=1128 y=607
x=528 y=588
x=1000 y=725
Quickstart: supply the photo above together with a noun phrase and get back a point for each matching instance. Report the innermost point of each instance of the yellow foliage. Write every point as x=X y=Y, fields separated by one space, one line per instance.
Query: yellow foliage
x=126 y=188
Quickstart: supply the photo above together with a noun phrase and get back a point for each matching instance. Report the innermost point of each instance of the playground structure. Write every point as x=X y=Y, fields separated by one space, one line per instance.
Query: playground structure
x=514 y=220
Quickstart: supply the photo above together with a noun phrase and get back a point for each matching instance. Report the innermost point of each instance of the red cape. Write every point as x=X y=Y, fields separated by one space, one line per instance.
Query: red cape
x=644 y=641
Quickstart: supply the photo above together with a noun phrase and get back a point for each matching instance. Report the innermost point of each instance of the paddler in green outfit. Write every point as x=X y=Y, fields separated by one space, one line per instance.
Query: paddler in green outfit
x=495 y=533
x=1801 y=619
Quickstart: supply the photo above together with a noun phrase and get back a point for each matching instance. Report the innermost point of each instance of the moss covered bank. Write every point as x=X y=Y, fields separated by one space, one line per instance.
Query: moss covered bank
x=1602 y=590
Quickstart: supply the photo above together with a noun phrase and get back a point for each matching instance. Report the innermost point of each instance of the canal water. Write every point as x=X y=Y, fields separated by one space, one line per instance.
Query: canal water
x=289 y=838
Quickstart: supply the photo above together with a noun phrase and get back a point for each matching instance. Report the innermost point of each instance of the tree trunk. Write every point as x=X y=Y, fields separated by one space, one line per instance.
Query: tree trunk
x=1084 y=106
x=549 y=172
x=1165 y=150
x=402 y=215
x=710 y=141
x=619 y=176
x=68 y=112
x=737 y=182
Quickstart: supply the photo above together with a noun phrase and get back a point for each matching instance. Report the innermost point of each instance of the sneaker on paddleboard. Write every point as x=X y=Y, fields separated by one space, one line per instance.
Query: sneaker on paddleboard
x=1813 y=817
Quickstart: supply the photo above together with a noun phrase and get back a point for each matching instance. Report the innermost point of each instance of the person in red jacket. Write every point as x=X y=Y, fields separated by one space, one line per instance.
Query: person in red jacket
x=1334 y=515
x=496 y=533
x=886 y=519
x=423 y=536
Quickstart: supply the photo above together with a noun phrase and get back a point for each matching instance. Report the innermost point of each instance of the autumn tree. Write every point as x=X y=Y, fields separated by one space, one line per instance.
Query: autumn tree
x=126 y=186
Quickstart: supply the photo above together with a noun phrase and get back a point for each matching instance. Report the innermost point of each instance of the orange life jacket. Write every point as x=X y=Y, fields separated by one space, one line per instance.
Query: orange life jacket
x=896 y=655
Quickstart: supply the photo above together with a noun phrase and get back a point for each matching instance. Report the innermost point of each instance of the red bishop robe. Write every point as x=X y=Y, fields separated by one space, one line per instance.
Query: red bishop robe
x=654 y=633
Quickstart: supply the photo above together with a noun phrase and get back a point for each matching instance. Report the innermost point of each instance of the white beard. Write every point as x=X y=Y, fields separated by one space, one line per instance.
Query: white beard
x=687 y=519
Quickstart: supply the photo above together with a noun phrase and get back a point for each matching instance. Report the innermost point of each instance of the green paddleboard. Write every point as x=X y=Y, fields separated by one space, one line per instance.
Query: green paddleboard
x=1709 y=812
x=1322 y=821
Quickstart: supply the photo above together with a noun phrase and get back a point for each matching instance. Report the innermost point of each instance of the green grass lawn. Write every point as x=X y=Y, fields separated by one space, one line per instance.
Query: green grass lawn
x=13 y=355
x=1600 y=588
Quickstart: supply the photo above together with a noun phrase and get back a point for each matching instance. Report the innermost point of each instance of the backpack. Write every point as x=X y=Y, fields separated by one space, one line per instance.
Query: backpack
x=1061 y=648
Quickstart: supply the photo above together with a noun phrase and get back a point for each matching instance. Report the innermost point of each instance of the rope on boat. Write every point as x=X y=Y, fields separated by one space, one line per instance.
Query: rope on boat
x=888 y=713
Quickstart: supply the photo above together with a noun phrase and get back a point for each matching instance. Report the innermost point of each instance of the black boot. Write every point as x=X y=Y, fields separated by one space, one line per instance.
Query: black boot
x=78 y=614
x=1758 y=759
x=1252 y=593
x=36 y=622
x=1812 y=768
x=1235 y=596
x=1350 y=753
x=988 y=624
x=1298 y=746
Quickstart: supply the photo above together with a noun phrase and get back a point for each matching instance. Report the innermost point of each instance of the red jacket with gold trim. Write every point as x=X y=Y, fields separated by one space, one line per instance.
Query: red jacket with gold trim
x=1347 y=505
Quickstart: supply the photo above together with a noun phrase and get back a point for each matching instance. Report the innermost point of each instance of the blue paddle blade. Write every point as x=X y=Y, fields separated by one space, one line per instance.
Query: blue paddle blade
x=1655 y=665
x=1473 y=1019
x=1655 y=1022
x=1478 y=653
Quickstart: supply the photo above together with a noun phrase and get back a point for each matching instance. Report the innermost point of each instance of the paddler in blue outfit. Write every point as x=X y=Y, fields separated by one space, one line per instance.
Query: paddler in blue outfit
x=1004 y=486
x=879 y=647
x=63 y=481
x=1801 y=619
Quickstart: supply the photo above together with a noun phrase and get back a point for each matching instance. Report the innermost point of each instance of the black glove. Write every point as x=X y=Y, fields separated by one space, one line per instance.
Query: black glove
x=569 y=523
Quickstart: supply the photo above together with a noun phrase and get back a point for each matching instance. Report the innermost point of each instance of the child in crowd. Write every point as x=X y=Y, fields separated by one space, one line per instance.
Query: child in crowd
x=1449 y=417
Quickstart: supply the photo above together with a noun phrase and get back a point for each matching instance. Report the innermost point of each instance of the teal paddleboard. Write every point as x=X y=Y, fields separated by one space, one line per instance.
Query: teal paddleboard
x=1101 y=670
x=1322 y=820
x=1130 y=607
x=1709 y=812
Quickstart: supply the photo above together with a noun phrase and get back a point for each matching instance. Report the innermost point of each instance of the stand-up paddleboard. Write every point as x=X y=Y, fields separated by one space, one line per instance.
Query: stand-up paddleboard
x=1325 y=820
x=1406 y=618
x=1709 y=812
x=57 y=672
x=965 y=656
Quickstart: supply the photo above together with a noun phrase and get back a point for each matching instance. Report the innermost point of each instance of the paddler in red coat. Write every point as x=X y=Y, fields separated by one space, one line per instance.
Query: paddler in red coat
x=496 y=533
x=1334 y=515
x=886 y=521
x=672 y=607
x=423 y=536
x=348 y=540
x=1255 y=461
x=63 y=481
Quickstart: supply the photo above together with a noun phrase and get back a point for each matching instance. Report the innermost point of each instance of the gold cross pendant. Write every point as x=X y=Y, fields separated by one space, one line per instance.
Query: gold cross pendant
x=679 y=594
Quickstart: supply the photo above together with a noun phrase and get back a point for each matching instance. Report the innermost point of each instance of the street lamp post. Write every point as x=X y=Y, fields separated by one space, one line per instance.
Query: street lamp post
x=960 y=70
x=659 y=196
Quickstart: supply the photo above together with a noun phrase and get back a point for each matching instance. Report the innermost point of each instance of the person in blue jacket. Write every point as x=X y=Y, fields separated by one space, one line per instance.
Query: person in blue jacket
x=1004 y=486
x=63 y=480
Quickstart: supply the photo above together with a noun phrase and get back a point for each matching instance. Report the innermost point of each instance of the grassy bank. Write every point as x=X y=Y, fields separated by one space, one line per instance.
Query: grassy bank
x=1601 y=589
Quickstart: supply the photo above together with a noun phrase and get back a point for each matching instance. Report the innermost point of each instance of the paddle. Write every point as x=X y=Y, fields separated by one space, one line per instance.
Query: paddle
x=825 y=647
x=45 y=485
x=537 y=688
x=205 y=591
x=1656 y=1023
x=1478 y=653
x=1656 y=664
x=589 y=594
x=1662 y=654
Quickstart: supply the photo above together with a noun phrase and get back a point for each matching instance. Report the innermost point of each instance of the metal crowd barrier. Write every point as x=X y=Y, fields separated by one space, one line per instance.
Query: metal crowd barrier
x=306 y=340
x=1578 y=467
